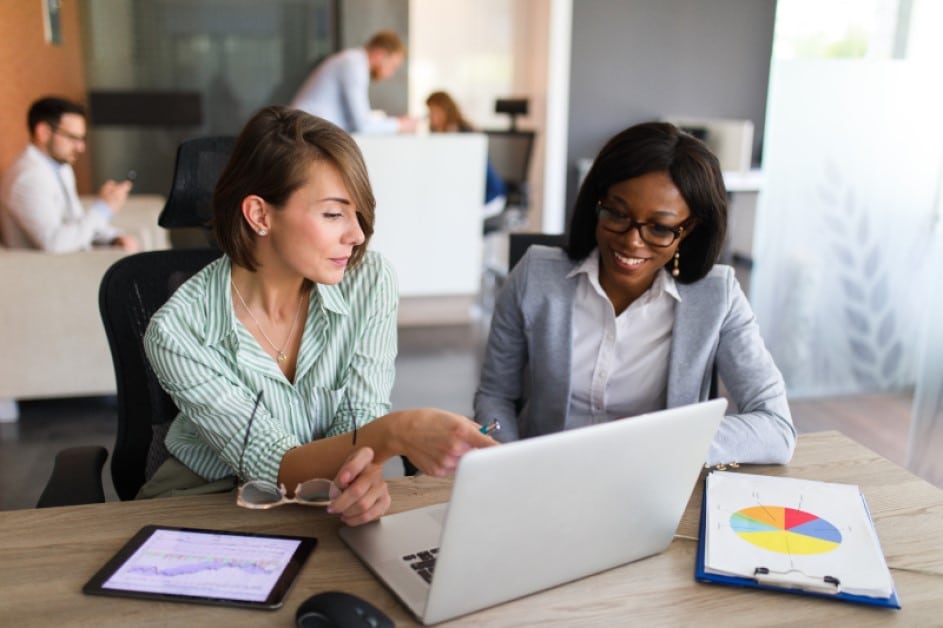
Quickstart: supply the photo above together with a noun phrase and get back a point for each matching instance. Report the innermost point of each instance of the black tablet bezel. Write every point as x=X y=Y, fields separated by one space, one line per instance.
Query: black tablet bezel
x=274 y=600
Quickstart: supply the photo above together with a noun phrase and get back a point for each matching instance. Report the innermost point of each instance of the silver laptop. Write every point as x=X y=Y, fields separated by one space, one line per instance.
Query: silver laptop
x=532 y=514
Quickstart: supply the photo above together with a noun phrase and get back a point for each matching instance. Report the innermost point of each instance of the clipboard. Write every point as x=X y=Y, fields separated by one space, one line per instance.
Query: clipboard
x=826 y=587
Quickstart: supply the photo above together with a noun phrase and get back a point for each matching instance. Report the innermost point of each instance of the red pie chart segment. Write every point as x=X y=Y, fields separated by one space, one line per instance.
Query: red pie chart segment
x=785 y=530
x=797 y=517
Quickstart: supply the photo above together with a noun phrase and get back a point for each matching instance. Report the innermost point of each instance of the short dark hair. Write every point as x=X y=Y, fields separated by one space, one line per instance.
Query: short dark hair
x=693 y=168
x=271 y=159
x=50 y=110
x=387 y=41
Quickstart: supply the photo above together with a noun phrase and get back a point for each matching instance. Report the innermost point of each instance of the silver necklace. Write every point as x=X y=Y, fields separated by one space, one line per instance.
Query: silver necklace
x=282 y=356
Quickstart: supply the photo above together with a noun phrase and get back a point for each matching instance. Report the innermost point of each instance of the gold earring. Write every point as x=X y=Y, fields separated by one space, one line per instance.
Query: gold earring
x=675 y=271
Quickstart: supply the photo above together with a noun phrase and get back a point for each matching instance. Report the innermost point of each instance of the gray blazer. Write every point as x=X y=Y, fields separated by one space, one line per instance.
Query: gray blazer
x=525 y=379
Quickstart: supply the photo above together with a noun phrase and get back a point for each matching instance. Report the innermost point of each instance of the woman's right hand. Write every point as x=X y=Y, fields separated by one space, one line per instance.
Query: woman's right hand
x=364 y=493
x=434 y=440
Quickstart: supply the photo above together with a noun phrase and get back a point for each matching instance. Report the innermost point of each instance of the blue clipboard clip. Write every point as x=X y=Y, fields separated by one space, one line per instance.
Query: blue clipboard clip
x=795 y=579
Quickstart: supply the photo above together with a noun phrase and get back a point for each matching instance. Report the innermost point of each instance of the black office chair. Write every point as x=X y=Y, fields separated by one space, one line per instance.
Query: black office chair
x=510 y=154
x=518 y=243
x=131 y=291
x=199 y=163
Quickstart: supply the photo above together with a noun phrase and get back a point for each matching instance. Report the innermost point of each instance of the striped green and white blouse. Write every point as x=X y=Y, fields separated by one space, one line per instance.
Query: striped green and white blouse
x=213 y=368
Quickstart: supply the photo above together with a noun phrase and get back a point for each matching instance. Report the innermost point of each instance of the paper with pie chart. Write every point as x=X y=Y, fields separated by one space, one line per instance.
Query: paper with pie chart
x=803 y=529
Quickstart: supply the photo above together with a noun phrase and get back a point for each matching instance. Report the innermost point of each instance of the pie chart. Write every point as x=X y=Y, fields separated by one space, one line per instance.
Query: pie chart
x=785 y=530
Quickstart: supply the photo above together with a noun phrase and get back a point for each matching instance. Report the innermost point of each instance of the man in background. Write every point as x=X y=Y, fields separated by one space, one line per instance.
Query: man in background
x=338 y=88
x=39 y=203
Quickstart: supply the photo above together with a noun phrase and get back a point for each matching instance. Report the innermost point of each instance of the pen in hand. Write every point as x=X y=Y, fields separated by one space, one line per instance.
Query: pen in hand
x=494 y=426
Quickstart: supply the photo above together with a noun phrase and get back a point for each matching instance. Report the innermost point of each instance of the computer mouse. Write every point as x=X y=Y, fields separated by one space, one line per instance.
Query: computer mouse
x=336 y=609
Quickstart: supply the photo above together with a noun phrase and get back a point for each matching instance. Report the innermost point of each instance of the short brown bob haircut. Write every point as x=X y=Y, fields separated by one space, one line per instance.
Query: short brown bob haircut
x=271 y=159
x=693 y=168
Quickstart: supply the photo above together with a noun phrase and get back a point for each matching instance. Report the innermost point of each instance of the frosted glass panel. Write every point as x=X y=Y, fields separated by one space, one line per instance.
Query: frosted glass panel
x=852 y=159
x=926 y=426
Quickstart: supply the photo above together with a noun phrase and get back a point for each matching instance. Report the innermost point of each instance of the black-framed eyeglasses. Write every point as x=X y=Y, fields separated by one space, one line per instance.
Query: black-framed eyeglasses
x=69 y=136
x=654 y=234
x=260 y=494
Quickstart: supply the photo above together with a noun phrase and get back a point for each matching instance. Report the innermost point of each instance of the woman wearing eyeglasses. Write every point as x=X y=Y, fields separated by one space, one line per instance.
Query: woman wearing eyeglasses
x=634 y=314
x=280 y=355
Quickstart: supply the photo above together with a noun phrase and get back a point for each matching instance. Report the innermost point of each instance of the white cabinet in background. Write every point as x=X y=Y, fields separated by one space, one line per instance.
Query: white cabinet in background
x=429 y=191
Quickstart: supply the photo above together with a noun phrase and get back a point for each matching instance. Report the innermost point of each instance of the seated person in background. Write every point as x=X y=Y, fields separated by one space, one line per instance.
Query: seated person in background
x=632 y=316
x=39 y=204
x=299 y=310
x=338 y=89
x=445 y=117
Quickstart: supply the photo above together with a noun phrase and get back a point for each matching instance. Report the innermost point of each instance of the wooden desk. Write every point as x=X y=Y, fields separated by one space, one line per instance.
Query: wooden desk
x=47 y=555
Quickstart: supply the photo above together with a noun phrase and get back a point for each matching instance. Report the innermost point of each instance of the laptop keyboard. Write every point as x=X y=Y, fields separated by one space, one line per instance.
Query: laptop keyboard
x=423 y=563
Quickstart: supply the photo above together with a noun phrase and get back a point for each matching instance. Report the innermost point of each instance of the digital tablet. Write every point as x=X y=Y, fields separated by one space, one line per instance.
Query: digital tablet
x=204 y=566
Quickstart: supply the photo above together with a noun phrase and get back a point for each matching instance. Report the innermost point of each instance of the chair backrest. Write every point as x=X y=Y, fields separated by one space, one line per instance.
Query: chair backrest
x=510 y=154
x=520 y=242
x=131 y=291
x=199 y=163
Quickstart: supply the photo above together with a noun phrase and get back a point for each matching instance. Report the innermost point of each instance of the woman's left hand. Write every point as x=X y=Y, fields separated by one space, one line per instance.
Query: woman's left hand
x=364 y=493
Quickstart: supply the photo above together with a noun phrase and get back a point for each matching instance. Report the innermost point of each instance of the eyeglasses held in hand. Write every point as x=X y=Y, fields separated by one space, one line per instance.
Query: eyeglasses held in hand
x=260 y=494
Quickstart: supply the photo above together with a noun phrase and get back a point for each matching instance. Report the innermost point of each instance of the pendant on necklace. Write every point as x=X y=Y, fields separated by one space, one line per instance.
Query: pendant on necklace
x=282 y=356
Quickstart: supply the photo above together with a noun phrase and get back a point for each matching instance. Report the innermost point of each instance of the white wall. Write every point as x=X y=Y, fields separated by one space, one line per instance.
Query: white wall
x=465 y=47
x=480 y=50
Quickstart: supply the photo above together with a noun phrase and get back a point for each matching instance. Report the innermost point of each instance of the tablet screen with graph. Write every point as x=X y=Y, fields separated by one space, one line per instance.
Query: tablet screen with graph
x=204 y=566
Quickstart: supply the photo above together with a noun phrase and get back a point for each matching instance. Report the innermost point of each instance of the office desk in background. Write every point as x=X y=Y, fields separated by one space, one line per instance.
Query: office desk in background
x=51 y=335
x=47 y=555
x=429 y=191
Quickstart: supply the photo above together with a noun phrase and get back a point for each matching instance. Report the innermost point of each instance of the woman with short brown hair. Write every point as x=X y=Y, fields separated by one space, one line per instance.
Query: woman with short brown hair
x=280 y=355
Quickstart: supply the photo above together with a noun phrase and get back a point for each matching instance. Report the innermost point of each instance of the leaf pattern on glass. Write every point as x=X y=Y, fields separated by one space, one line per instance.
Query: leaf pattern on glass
x=892 y=360
x=869 y=321
x=872 y=261
x=857 y=319
x=853 y=289
x=886 y=329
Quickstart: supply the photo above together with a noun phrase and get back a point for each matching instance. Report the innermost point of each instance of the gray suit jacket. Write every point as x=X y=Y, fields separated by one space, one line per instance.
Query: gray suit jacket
x=525 y=378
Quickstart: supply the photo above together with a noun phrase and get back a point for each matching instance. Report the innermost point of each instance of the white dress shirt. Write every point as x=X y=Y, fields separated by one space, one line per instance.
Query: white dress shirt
x=338 y=90
x=620 y=363
x=40 y=208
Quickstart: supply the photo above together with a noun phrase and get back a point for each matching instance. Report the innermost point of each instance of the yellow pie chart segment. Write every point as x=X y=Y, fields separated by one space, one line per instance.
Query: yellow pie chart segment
x=785 y=530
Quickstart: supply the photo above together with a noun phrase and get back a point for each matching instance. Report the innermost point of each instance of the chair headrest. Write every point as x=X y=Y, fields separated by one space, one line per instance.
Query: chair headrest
x=199 y=163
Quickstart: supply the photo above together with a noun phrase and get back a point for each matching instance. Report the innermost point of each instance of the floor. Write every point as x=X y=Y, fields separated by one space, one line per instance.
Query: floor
x=437 y=366
x=879 y=422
